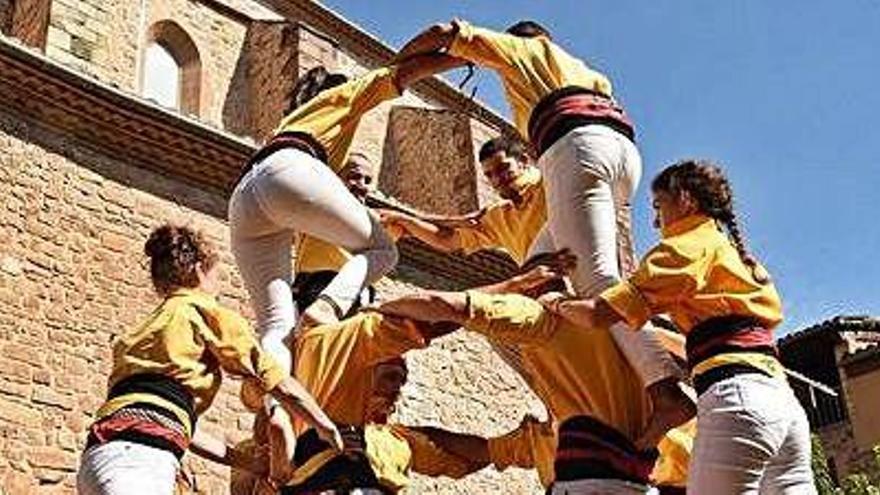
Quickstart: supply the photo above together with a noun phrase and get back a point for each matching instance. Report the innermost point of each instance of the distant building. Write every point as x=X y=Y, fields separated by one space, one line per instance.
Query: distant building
x=842 y=353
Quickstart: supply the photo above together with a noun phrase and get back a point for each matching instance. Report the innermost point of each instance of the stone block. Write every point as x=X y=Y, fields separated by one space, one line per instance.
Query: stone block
x=428 y=160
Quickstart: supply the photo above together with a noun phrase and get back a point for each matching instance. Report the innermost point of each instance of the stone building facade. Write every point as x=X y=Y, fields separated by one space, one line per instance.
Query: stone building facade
x=843 y=355
x=88 y=167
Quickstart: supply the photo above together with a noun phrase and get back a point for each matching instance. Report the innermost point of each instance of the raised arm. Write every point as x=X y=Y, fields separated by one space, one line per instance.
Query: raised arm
x=429 y=307
x=232 y=342
x=212 y=448
x=435 y=235
x=419 y=67
x=434 y=39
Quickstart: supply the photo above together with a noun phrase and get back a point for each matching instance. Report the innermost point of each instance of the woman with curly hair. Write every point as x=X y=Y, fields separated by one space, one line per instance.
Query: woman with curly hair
x=167 y=371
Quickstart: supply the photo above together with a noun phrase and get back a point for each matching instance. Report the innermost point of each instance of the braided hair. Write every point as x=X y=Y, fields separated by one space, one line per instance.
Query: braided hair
x=176 y=254
x=706 y=184
x=311 y=83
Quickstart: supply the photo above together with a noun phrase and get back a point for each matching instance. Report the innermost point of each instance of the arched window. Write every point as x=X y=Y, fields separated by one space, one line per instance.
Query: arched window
x=161 y=76
x=171 y=68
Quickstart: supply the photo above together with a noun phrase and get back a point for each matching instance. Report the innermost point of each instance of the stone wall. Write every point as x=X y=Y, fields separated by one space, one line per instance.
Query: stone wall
x=73 y=220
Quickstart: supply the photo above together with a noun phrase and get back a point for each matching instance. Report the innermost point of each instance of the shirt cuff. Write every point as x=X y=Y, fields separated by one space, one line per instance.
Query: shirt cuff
x=271 y=376
x=626 y=300
x=499 y=453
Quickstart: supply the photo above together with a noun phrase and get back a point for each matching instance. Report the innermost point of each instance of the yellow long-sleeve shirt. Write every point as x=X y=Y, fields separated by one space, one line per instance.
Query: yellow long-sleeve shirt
x=533 y=445
x=335 y=363
x=529 y=68
x=575 y=371
x=695 y=274
x=512 y=227
x=190 y=338
x=332 y=116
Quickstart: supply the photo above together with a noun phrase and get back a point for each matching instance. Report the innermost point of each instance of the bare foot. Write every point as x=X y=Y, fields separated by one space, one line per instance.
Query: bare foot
x=282 y=445
x=672 y=405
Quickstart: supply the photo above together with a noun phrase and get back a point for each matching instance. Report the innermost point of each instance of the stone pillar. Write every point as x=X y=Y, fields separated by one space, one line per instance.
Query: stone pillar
x=429 y=160
x=259 y=93
x=29 y=20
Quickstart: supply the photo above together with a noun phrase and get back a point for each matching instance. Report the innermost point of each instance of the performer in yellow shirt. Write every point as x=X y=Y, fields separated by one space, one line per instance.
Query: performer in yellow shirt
x=596 y=400
x=752 y=433
x=512 y=224
x=355 y=369
x=586 y=150
x=167 y=371
x=290 y=186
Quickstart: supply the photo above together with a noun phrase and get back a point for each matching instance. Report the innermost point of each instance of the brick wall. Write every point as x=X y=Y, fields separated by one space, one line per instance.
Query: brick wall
x=5 y=15
x=73 y=223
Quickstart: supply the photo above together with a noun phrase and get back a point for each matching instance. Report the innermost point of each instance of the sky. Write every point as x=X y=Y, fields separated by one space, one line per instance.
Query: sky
x=785 y=94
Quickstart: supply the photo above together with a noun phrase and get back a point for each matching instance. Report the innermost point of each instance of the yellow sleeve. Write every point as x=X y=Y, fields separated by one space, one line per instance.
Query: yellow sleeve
x=335 y=112
x=430 y=459
x=490 y=48
x=385 y=337
x=665 y=276
x=675 y=449
x=509 y=318
x=485 y=233
x=230 y=339
x=514 y=448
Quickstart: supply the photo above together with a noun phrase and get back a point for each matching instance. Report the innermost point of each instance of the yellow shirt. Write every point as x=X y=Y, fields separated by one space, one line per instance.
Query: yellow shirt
x=574 y=371
x=508 y=226
x=533 y=445
x=190 y=338
x=334 y=362
x=332 y=116
x=529 y=68
x=695 y=274
x=675 y=449
x=314 y=255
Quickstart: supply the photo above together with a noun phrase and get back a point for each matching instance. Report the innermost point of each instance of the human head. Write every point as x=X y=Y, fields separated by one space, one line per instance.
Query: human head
x=699 y=186
x=504 y=160
x=528 y=29
x=311 y=83
x=358 y=175
x=180 y=258
x=388 y=378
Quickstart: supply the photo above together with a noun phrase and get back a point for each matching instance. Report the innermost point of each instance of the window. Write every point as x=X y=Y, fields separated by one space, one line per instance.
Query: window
x=171 y=68
x=161 y=76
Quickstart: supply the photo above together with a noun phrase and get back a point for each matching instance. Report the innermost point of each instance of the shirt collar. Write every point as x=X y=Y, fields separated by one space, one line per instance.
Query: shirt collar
x=687 y=224
x=531 y=177
x=190 y=292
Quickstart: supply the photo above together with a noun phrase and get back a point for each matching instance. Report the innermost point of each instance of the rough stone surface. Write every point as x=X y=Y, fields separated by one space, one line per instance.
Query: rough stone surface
x=73 y=221
x=429 y=160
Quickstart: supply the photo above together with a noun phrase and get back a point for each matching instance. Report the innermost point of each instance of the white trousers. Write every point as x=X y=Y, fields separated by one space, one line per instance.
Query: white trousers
x=752 y=438
x=125 y=468
x=600 y=487
x=291 y=192
x=589 y=175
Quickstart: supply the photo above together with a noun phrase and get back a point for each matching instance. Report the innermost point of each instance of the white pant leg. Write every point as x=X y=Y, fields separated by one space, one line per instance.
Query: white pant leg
x=789 y=471
x=589 y=174
x=125 y=468
x=599 y=487
x=745 y=425
x=288 y=192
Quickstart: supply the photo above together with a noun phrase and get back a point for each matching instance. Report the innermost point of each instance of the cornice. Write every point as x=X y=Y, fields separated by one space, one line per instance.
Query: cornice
x=141 y=134
x=376 y=53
